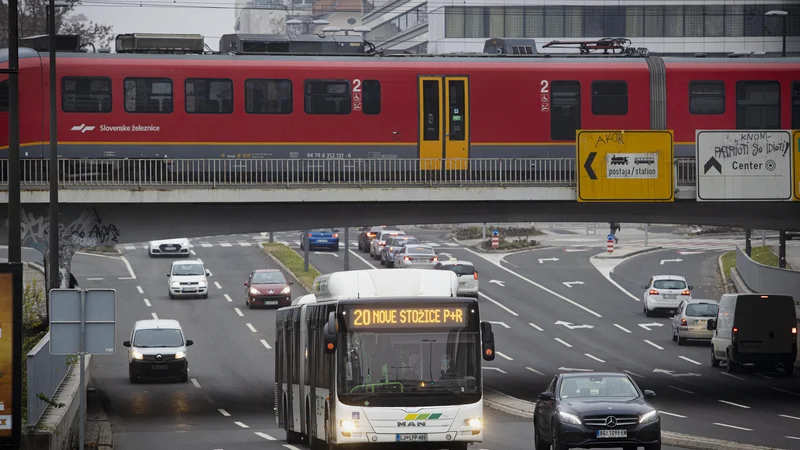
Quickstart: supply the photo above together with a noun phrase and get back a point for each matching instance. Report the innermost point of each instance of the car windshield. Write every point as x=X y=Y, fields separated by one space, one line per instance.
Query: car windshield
x=268 y=278
x=669 y=284
x=419 y=251
x=460 y=269
x=702 y=309
x=157 y=337
x=187 y=269
x=386 y=236
x=590 y=386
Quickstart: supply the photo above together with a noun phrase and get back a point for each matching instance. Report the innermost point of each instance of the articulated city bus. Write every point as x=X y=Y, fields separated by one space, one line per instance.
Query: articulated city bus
x=382 y=356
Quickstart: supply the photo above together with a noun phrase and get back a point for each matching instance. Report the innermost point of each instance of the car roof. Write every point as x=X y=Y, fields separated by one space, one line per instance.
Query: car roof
x=149 y=324
x=188 y=261
x=701 y=300
x=453 y=262
x=421 y=245
x=668 y=277
x=267 y=270
x=593 y=374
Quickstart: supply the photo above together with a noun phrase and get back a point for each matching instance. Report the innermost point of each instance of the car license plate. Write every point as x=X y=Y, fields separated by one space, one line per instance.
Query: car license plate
x=159 y=367
x=270 y=302
x=462 y=284
x=322 y=240
x=412 y=438
x=670 y=297
x=700 y=322
x=170 y=248
x=612 y=433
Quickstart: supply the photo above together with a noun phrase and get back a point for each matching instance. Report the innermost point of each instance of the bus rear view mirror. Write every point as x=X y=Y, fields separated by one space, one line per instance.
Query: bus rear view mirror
x=487 y=336
x=329 y=333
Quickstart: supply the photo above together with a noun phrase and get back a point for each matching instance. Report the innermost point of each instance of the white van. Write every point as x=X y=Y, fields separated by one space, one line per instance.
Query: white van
x=759 y=329
x=157 y=349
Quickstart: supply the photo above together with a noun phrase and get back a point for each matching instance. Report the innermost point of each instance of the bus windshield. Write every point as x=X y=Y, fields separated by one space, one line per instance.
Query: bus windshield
x=409 y=368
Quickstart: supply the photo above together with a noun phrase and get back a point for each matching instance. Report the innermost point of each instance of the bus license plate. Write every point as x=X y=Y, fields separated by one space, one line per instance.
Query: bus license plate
x=412 y=438
x=612 y=433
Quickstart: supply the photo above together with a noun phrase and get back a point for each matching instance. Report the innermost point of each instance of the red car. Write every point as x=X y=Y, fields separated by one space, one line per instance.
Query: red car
x=267 y=287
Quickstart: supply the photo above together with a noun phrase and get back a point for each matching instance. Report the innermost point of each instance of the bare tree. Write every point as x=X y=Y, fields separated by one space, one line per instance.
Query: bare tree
x=33 y=21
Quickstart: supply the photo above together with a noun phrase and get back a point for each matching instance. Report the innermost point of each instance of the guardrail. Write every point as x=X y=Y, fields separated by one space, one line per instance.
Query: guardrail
x=282 y=172
x=45 y=374
x=768 y=280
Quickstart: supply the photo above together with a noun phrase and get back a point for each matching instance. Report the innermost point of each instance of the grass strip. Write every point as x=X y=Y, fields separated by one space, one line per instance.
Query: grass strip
x=762 y=255
x=293 y=263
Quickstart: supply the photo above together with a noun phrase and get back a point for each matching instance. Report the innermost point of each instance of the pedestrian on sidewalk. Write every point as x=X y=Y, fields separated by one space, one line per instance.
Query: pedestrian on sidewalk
x=614 y=226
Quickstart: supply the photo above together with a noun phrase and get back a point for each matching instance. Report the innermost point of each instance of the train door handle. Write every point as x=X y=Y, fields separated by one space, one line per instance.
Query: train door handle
x=395 y=132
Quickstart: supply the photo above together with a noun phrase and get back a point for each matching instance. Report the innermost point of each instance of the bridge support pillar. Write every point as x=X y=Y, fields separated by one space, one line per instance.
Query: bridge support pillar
x=782 y=249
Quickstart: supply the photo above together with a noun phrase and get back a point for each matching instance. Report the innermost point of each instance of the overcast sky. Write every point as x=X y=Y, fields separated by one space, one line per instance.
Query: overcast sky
x=210 y=18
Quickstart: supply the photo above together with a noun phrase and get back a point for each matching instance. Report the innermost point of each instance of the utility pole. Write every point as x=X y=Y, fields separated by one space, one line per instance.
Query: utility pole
x=14 y=206
x=55 y=279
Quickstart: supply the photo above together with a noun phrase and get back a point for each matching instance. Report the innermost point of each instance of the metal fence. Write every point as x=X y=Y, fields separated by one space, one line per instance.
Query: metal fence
x=765 y=279
x=281 y=172
x=46 y=372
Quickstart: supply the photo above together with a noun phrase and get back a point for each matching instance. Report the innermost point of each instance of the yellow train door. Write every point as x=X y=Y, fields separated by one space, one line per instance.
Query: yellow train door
x=443 y=122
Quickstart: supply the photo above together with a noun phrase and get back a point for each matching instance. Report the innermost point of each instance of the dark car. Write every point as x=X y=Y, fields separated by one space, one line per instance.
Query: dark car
x=321 y=238
x=367 y=234
x=267 y=287
x=596 y=410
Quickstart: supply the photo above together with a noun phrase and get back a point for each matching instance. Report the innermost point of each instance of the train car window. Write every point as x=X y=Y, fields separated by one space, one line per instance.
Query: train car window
x=372 y=97
x=4 y=96
x=609 y=98
x=795 y=105
x=430 y=109
x=758 y=105
x=327 y=97
x=148 y=95
x=209 y=96
x=456 y=114
x=86 y=94
x=268 y=96
x=707 y=97
x=565 y=110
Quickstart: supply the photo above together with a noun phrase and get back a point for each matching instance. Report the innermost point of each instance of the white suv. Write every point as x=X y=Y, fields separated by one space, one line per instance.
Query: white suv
x=188 y=279
x=467 y=276
x=665 y=293
x=157 y=349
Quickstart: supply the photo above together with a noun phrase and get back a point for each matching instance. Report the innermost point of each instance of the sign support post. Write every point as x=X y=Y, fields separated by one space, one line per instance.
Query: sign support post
x=305 y=250
x=782 y=249
x=11 y=288
x=495 y=238
x=346 y=248
x=748 y=245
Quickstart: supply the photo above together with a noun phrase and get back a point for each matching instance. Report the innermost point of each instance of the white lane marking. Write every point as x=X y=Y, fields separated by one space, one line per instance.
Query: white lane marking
x=734 y=404
x=732 y=376
x=195 y=383
x=130 y=247
x=239 y=312
x=622 y=328
x=594 y=357
x=563 y=342
x=155 y=316
x=792 y=437
x=241 y=424
x=94 y=279
x=128 y=265
x=292 y=447
x=690 y=360
x=201 y=261
x=661 y=411
x=789 y=417
x=193 y=252
x=266 y=344
x=535 y=326
x=244 y=244
x=228 y=298
x=495 y=368
x=504 y=356
x=679 y=389
x=147 y=302
x=225 y=244
x=219 y=286
x=764 y=376
x=606 y=270
x=535 y=371
x=634 y=374
x=508 y=310
x=451 y=244
x=654 y=345
x=224 y=413
x=205 y=244
x=556 y=294
x=359 y=257
x=786 y=392
x=266 y=436
x=251 y=327
x=732 y=426
x=139 y=288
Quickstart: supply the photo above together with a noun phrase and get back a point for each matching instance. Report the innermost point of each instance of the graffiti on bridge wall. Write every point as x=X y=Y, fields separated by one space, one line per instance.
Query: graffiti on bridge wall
x=87 y=230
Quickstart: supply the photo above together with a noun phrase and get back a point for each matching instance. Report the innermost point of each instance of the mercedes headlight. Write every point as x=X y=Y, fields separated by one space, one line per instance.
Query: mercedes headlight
x=254 y=291
x=137 y=355
x=180 y=355
x=569 y=418
x=649 y=417
x=286 y=290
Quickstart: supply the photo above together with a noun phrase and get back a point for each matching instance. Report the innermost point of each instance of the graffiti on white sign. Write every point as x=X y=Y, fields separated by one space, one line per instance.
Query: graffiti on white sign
x=632 y=165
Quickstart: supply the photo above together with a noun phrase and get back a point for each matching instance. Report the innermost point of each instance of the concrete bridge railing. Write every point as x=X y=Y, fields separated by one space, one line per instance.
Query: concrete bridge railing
x=45 y=373
x=768 y=280
x=340 y=172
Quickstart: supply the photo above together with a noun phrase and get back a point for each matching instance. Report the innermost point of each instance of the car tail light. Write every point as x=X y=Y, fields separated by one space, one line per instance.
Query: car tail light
x=735 y=329
x=309 y=234
x=686 y=292
x=653 y=292
x=372 y=234
x=406 y=258
x=381 y=243
x=335 y=235
x=434 y=258
x=794 y=330
x=475 y=274
x=683 y=322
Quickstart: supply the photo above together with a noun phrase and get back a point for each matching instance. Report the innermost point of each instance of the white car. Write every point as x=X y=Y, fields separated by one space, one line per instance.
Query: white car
x=377 y=244
x=416 y=256
x=665 y=293
x=169 y=247
x=467 y=276
x=157 y=349
x=188 y=279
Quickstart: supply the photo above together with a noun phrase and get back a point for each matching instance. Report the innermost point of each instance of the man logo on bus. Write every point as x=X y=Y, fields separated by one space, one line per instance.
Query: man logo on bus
x=417 y=420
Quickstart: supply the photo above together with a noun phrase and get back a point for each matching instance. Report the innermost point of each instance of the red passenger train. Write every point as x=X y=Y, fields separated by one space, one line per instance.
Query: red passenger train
x=150 y=102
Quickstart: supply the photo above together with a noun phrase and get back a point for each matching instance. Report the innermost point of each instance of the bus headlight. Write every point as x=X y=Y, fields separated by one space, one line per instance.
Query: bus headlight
x=348 y=425
x=474 y=423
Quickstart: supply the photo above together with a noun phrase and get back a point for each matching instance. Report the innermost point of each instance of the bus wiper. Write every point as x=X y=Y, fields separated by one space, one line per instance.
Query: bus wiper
x=434 y=387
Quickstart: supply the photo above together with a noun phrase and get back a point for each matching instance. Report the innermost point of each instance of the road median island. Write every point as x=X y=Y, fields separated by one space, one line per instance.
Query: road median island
x=761 y=255
x=292 y=263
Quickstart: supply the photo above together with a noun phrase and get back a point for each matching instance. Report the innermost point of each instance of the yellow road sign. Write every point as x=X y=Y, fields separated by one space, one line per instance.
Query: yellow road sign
x=796 y=157
x=625 y=166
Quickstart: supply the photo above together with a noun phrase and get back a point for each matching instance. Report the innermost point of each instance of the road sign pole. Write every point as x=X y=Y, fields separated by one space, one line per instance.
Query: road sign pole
x=346 y=248
x=483 y=238
x=305 y=251
x=748 y=247
x=782 y=249
x=81 y=369
x=763 y=238
x=271 y=237
x=645 y=234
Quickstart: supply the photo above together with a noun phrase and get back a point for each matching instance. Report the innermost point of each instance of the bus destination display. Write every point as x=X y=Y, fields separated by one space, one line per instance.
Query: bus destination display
x=443 y=316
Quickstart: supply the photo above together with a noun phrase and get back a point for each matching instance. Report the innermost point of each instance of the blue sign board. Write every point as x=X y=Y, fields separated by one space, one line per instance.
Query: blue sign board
x=610 y=237
x=495 y=232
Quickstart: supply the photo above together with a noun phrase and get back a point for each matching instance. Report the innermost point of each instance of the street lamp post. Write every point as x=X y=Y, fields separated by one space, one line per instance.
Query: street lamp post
x=782 y=15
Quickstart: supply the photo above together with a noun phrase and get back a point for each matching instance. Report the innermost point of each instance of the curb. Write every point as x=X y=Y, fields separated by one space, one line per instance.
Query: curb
x=286 y=269
x=501 y=252
x=725 y=285
x=637 y=252
x=34 y=266
x=98 y=427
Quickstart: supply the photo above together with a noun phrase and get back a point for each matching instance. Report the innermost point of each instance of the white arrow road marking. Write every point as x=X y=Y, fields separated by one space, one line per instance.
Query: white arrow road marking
x=537 y=327
x=634 y=374
x=661 y=411
x=670 y=260
x=326 y=253
x=570 y=369
x=542 y=260
x=505 y=356
x=570 y=283
x=498 y=282
x=679 y=389
x=502 y=324
x=571 y=326
x=495 y=368
x=647 y=326
x=594 y=358
x=690 y=360
x=732 y=426
x=654 y=345
x=734 y=404
x=535 y=371
x=622 y=328
x=673 y=374
x=563 y=342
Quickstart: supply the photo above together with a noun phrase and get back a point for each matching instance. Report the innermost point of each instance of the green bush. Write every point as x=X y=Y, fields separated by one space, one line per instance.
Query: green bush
x=477 y=232
x=102 y=249
x=294 y=263
x=33 y=330
x=505 y=244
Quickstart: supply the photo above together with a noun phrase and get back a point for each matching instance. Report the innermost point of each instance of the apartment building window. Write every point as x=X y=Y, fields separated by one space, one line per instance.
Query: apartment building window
x=609 y=98
x=758 y=105
x=707 y=97
x=796 y=105
x=86 y=94
x=327 y=97
x=268 y=96
x=148 y=95
x=209 y=96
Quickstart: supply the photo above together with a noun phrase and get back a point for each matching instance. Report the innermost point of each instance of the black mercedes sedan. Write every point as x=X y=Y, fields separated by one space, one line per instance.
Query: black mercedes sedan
x=595 y=410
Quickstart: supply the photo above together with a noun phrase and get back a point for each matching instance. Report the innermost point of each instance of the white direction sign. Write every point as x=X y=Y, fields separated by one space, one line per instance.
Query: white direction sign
x=744 y=165
x=632 y=165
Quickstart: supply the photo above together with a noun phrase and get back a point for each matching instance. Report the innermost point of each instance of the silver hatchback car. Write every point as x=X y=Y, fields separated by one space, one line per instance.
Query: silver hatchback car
x=691 y=319
x=416 y=257
x=467 y=276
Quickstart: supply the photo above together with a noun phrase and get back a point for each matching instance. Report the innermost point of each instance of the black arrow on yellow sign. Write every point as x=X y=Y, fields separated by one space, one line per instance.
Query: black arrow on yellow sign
x=588 y=166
